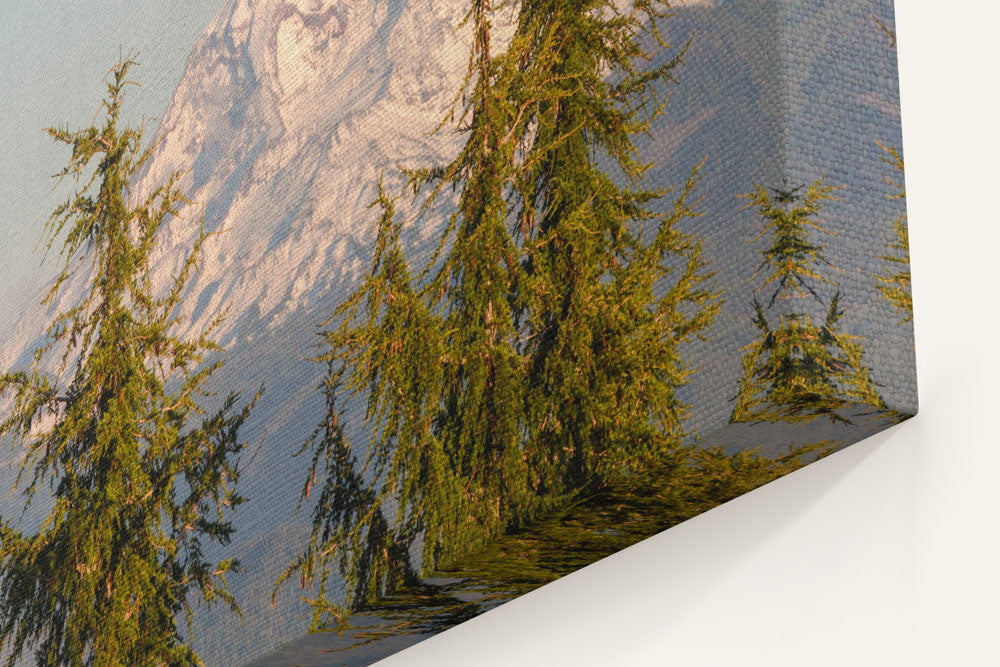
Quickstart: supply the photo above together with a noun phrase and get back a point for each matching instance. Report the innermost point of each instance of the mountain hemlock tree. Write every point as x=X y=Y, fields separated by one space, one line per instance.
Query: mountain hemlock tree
x=801 y=369
x=894 y=283
x=137 y=491
x=537 y=354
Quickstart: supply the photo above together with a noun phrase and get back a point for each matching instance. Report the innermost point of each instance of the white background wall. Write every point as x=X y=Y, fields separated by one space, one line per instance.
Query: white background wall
x=884 y=554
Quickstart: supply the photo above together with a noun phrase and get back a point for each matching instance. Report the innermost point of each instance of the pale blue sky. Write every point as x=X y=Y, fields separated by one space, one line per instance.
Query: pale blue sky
x=54 y=57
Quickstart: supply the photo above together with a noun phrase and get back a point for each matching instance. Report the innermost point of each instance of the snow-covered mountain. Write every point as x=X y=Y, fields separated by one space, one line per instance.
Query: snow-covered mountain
x=287 y=113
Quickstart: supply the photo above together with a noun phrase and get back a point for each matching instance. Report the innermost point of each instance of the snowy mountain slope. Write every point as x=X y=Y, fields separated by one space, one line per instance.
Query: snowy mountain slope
x=286 y=115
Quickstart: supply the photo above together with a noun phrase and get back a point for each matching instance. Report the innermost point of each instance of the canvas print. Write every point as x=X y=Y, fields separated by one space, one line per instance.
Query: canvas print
x=329 y=325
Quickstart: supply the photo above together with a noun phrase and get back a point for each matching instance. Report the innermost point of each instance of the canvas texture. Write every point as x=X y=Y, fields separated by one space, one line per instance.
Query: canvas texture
x=395 y=310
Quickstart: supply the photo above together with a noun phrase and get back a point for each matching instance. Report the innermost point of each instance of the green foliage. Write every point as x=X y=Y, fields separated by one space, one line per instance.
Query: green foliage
x=688 y=482
x=537 y=354
x=137 y=490
x=390 y=345
x=801 y=369
x=792 y=257
x=894 y=283
x=682 y=485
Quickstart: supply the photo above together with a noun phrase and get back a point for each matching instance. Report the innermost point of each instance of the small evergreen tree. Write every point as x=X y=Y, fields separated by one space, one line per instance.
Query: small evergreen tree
x=538 y=352
x=138 y=491
x=390 y=345
x=894 y=283
x=801 y=369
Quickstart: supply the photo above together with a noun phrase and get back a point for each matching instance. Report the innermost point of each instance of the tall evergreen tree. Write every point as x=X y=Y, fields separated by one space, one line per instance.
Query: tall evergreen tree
x=538 y=352
x=801 y=369
x=603 y=351
x=138 y=490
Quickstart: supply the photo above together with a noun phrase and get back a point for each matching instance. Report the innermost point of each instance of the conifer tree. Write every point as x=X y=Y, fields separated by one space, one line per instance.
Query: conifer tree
x=801 y=369
x=603 y=349
x=537 y=353
x=138 y=489
x=894 y=282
